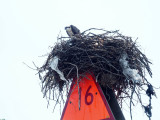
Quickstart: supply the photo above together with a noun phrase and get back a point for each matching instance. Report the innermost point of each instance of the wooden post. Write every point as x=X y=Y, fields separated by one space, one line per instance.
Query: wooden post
x=112 y=101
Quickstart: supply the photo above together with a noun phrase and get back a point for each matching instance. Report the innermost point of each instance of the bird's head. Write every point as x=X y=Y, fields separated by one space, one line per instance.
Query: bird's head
x=67 y=27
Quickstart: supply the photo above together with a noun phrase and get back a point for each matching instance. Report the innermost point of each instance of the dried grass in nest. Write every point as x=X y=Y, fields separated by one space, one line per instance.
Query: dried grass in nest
x=99 y=54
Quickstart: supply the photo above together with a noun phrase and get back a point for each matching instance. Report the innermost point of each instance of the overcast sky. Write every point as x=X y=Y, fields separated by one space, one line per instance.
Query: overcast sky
x=29 y=27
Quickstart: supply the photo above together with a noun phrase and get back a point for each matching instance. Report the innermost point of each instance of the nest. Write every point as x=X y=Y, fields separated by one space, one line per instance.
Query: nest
x=113 y=58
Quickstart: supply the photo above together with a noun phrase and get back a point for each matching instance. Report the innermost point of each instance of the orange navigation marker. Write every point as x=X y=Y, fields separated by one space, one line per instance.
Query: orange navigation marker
x=87 y=103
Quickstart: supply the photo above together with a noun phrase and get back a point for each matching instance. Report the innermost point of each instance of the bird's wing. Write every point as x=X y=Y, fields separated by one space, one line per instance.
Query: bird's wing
x=75 y=30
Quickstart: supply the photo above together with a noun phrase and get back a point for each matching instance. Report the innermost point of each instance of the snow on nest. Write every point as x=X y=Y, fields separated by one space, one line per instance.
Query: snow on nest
x=54 y=66
x=128 y=72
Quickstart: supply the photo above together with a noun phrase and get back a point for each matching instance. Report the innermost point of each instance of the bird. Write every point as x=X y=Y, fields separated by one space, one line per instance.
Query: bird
x=72 y=30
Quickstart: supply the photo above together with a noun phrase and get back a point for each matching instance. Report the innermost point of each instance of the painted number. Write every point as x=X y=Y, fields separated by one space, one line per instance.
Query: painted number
x=88 y=95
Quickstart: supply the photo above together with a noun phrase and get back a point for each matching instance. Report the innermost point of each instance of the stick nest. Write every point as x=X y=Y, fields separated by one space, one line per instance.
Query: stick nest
x=100 y=53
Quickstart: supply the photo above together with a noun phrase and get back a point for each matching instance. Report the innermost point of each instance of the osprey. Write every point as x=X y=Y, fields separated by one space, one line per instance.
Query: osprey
x=72 y=30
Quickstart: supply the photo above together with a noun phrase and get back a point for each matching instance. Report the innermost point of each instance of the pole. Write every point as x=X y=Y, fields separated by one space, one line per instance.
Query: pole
x=112 y=101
